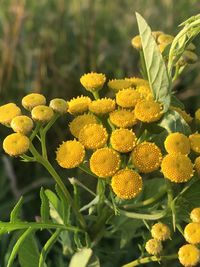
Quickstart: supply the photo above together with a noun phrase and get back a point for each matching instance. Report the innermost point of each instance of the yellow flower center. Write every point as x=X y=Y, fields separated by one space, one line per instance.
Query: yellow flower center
x=195 y=142
x=160 y=231
x=126 y=184
x=192 y=233
x=177 y=143
x=146 y=157
x=22 y=124
x=16 y=144
x=128 y=98
x=102 y=106
x=123 y=118
x=153 y=247
x=93 y=81
x=195 y=215
x=42 y=113
x=59 y=105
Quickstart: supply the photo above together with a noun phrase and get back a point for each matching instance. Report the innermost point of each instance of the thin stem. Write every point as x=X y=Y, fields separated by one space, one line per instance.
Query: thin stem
x=96 y=95
x=147 y=201
x=59 y=182
x=43 y=143
x=36 y=130
x=150 y=259
x=143 y=216
x=76 y=181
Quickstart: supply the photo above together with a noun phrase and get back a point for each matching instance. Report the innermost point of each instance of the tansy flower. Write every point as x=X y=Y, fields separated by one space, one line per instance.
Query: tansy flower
x=22 y=124
x=93 y=136
x=59 y=105
x=148 y=111
x=177 y=168
x=182 y=113
x=145 y=92
x=156 y=34
x=128 y=98
x=146 y=157
x=16 y=144
x=195 y=215
x=135 y=82
x=162 y=47
x=8 y=112
x=177 y=143
x=195 y=142
x=123 y=118
x=192 y=233
x=197 y=114
x=119 y=84
x=79 y=122
x=123 y=140
x=189 y=255
x=160 y=231
x=42 y=113
x=153 y=247
x=32 y=100
x=104 y=162
x=136 y=42
x=126 y=184
x=70 y=154
x=165 y=38
x=93 y=81
x=102 y=106
x=197 y=165
x=78 y=105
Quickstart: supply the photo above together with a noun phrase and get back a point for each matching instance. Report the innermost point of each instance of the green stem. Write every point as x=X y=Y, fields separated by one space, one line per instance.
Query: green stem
x=96 y=95
x=43 y=143
x=76 y=181
x=150 y=259
x=36 y=130
x=171 y=203
x=59 y=182
x=147 y=201
x=87 y=170
x=143 y=216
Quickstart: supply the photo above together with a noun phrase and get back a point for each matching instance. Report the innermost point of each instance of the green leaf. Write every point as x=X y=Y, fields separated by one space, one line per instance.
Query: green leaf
x=17 y=246
x=44 y=209
x=47 y=247
x=94 y=262
x=81 y=258
x=55 y=206
x=28 y=252
x=176 y=102
x=15 y=213
x=155 y=65
x=172 y=122
x=65 y=207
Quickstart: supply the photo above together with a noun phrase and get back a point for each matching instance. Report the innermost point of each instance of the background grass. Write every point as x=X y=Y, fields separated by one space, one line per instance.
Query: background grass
x=46 y=45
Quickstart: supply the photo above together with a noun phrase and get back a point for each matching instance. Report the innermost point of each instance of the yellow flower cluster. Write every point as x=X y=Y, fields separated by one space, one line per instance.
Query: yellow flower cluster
x=189 y=254
x=160 y=232
x=18 y=143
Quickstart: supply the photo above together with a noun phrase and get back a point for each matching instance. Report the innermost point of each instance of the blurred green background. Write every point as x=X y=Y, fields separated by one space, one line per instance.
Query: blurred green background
x=46 y=45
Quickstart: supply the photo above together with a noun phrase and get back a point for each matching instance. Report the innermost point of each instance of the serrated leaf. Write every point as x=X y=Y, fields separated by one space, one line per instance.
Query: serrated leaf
x=172 y=122
x=44 y=209
x=55 y=206
x=155 y=65
x=81 y=258
x=28 y=253
x=15 y=213
x=17 y=246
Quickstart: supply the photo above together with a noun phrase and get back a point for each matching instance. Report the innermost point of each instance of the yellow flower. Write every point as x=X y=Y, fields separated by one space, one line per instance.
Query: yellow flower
x=42 y=113
x=177 y=168
x=195 y=215
x=8 y=112
x=165 y=38
x=16 y=144
x=160 y=231
x=93 y=81
x=123 y=140
x=126 y=184
x=145 y=92
x=22 y=124
x=153 y=247
x=189 y=255
x=70 y=154
x=119 y=84
x=195 y=142
x=128 y=98
x=32 y=100
x=79 y=122
x=197 y=165
x=104 y=162
x=102 y=106
x=78 y=105
x=136 y=82
x=148 y=111
x=177 y=143
x=136 y=42
x=192 y=233
x=183 y=114
x=123 y=118
x=93 y=136
x=162 y=47
x=146 y=157
x=156 y=34
x=59 y=105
